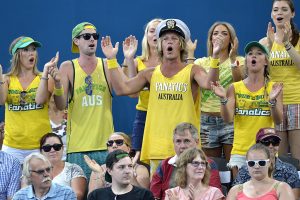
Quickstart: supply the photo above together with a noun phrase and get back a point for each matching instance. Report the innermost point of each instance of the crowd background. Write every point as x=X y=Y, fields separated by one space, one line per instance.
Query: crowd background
x=50 y=23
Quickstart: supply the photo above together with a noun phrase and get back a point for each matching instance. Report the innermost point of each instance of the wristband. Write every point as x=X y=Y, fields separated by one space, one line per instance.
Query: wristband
x=235 y=65
x=58 y=91
x=191 y=59
x=287 y=46
x=2 y=82
x=112 y=63
x=272 y=103
x=224 y=101
x=214 y=63
x=44 y=78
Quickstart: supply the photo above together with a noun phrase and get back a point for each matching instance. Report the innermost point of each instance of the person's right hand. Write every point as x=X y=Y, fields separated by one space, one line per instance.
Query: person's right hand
x=191 y=46
x=270 y=34
x=172 y=195
x=109 y=51
x=93 y=165
x=217 y=43
x=1 y=70
x=218 y=89
x=130 y=46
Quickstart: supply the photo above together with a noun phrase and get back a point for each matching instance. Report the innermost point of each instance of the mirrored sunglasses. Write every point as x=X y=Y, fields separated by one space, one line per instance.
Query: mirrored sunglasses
x=56 y=147
x=118 y=142
x=261 y=163
x=42 y=171
x=88 y=36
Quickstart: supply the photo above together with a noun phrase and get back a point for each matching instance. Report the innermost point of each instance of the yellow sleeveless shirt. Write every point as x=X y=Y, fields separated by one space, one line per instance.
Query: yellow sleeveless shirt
x=170 y=103
x=25 y=121
x=144 y=94
x=90 y=121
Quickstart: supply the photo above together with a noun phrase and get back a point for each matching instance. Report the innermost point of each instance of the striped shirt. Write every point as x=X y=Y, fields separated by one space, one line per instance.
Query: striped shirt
x=10 y=173
x=56 y=192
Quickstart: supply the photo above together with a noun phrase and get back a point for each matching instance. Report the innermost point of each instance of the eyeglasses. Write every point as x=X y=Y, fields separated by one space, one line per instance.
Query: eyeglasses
x=56 y=147
x=88 y=36
x=23 y=98
x=273 y=141
x=42 y=171
x=89 y=88
x=261 y=163
x=118 y=142
x=197 y=164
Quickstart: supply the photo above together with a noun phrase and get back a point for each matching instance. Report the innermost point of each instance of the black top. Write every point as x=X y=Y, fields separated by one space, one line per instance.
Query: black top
x=107 y=194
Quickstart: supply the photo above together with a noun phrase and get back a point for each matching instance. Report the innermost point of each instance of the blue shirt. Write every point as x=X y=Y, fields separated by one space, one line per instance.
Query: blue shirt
x=10 y=174
x=56 y=192
x=284 y=172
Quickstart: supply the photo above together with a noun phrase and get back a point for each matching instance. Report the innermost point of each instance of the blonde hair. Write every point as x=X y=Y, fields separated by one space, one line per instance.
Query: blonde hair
x=231 y=31
x=187 y=157
x=145 y=44
x=15 y=67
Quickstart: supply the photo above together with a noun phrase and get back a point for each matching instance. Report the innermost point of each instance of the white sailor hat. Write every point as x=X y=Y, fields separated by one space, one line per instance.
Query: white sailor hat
x=174 y=25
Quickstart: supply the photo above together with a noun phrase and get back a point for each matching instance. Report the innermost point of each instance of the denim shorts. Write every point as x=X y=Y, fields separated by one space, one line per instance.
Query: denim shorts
x=215 y=132
x=138 y=130
x=291 y=118
x=77 y=158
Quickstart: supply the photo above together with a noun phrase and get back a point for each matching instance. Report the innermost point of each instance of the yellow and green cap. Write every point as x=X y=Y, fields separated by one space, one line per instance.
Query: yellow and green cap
x=24 y=42
x=77 y=30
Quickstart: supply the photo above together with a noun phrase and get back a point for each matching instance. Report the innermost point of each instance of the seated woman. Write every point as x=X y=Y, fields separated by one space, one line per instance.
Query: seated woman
x=192 y=177
x=117 y=140
x=64 y=173
x=260 y=186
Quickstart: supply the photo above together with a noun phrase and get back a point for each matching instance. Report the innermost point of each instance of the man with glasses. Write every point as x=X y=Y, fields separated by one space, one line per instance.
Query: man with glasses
x=185 y=136
x=37 y=171
x=84 y=79
x=282 y=171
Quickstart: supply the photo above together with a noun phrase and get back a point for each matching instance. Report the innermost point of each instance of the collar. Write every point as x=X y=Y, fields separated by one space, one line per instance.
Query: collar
x=51 y=192
x=173 y=160
x=1 y=156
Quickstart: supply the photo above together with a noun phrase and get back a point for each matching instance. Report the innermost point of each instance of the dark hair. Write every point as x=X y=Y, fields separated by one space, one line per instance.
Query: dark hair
x=46 y=136
x=114 y=157
x=295 y=31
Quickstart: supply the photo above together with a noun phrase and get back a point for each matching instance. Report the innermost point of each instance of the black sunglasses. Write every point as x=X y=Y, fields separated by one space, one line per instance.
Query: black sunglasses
x=89 y=88
x=118 y=142
x=273 y=141
x=42 y=171
x=56 y=147
x=88 y=36
x=261 y=163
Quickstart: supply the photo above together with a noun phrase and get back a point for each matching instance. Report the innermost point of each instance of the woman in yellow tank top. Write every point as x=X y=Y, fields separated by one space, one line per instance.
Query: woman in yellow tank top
x=26 y=116
x=131 y=67
x=284 y=46
x=252 y=103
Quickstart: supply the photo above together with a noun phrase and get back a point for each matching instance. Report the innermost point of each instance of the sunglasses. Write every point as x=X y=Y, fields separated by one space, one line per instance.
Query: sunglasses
x=89 y=88
x=23 y=98
x=273 y=141
x=56 y=147
x=261 y=163
x=42 y=171
x=118 y=142
x=88 y=36
x=197 y=164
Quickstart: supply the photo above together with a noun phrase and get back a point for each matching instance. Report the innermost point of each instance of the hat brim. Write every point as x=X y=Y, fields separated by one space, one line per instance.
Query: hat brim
x=35 y=43
x=255 y=44
x=269 y=136
x=176 y=30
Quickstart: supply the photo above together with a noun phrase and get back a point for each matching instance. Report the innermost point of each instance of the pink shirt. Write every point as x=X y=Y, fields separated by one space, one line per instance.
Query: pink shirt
x=271 y=195
x=212 y=193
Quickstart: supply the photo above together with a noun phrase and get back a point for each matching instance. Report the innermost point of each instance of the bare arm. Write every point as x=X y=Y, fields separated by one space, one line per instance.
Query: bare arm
x=233 y=193
x=121 y=84
x=285 y=191
x=141 y=177
x=79 y=185
x=275 y=100
x=191 y=47
x=4 y=81
x=237 y=73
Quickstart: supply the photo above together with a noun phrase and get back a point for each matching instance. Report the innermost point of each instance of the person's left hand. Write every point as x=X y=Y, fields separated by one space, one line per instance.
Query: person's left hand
x=109 y=51
x=95 y=167
x=233 y=51
x=276 y=89
x=130 y=46
x=172 y=195
x=52 y=68
x=191 y=195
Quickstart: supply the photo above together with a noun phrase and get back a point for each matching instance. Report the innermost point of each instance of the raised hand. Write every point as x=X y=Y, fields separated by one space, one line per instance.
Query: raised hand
x=191 y=46
x=218 y=44
x=218 y=89
x=108 y=50
x=233 y=51
x=276 y=89
x=283 y=34
x=270 y=35
x=93 y=165
x=130 y=46
x=51 y=68
x=172 y=195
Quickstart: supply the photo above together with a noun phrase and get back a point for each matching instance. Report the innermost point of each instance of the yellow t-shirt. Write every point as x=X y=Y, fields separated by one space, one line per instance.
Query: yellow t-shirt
x=144 y=94
x=284 y=70
x=252 y=112
x=90 y=121
x=209 y=101
x=170 y=103
x=25 y=121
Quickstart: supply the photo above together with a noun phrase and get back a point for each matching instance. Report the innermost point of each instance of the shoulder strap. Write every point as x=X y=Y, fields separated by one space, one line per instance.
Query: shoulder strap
x=240 y=187
x=106 y=77
x=276 y=185
x=71 y=86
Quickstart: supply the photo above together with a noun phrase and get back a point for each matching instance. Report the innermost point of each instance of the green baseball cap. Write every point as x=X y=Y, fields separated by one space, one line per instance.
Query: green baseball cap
x=24 y=42
x=77 y=30
x=256 y=44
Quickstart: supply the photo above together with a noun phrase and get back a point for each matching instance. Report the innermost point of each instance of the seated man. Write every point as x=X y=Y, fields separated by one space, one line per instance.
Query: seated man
x=10 y=174
x=282 y=171
x=119 y=171
x=185 y=136
x=37 y=170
